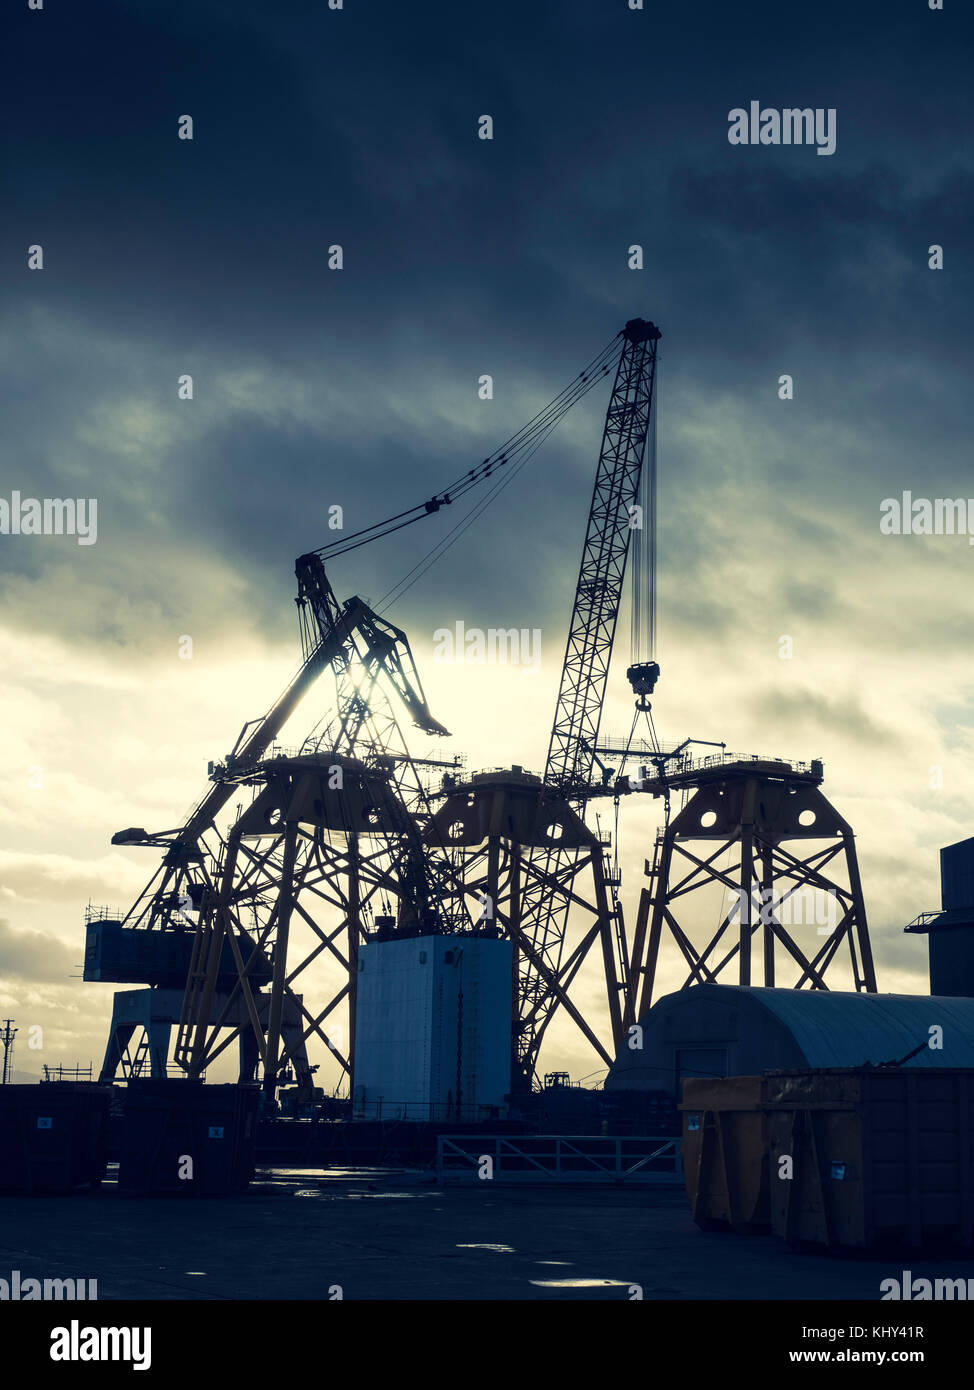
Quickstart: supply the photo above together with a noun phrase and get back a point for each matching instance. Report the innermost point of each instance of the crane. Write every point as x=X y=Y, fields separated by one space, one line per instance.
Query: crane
x=598 y=591
x=338 y=637
x=365 y=724
x=286 y=839
x=324 y=623
x=578 y=711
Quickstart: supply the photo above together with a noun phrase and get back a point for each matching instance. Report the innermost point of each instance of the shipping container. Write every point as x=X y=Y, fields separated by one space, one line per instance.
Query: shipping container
x=186 y=1137
x=53 y=1136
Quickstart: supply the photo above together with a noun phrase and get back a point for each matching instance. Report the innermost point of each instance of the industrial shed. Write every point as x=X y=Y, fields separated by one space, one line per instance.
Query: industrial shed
x=736 y=1030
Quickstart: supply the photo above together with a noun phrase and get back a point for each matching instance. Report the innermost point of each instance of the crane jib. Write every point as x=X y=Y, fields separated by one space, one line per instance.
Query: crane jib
x=598 y=591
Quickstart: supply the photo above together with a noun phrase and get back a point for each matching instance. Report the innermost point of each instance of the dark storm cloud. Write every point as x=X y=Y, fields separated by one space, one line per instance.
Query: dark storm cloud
x=313 y=387
x=462 y=256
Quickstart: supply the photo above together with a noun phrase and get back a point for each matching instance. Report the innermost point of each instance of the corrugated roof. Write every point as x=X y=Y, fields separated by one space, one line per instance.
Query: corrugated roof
x=836 y=1029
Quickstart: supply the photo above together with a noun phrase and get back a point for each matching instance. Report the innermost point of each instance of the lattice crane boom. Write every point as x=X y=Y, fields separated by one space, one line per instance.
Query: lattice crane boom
x=598 y=591
x=578 y=713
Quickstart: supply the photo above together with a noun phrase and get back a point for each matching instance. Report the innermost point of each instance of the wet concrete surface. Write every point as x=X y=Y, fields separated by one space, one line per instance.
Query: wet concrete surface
x=381 y=1234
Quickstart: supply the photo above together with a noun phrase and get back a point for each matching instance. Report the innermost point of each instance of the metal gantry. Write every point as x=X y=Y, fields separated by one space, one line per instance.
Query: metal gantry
x=340 y=823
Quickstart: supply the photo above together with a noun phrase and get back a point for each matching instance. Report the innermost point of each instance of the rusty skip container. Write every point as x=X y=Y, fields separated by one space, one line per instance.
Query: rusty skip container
x=879 y=1156
x=725 y=1153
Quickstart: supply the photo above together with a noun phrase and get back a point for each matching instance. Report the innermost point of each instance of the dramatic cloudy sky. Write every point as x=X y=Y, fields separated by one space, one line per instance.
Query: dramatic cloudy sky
x=359 y=387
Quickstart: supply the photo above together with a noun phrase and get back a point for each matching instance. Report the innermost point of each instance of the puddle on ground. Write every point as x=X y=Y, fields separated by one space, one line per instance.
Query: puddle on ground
x=377 y=1196
x=500 y=1250
x=271 y=1173
x=325 y=1196
x=580 y=1283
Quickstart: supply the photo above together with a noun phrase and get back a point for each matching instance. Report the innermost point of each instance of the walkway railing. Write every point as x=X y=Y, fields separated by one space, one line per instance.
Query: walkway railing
x=553 y=1158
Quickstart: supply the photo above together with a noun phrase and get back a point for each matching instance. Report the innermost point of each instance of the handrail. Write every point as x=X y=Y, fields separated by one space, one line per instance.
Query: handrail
x=560 y=1158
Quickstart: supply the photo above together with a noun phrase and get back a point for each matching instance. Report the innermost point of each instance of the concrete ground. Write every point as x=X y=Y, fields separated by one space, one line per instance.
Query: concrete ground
x=396 y=1235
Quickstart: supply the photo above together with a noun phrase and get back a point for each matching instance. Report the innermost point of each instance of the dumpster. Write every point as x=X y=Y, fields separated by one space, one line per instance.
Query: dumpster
x=725 y=1153
x=880 y=1156
x=182 y=1136
x=53 y=1136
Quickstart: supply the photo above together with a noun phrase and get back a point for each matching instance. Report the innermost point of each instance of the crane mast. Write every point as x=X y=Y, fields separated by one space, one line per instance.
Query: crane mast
x=578 y=713
x=602 y=571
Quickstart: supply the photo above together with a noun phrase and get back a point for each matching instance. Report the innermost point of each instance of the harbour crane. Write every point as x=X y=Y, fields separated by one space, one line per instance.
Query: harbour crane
x=349 y=819
x=426 y=867
x=203 y=871
x=614 y=508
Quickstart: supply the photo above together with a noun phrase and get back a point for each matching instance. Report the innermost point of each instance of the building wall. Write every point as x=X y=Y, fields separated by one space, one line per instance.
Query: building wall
x=952 y=961
x=433 y=1023
x=957 y=874
x=951 y=947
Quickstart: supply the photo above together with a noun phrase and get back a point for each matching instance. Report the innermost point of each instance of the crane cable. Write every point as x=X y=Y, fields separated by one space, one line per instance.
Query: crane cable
x=651 y=655
x=530 y=434
x=531 y=437
x=642 y=625
x=446 y=542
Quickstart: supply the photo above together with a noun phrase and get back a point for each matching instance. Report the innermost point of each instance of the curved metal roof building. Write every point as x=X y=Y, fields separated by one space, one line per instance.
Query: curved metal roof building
x=736 y=1030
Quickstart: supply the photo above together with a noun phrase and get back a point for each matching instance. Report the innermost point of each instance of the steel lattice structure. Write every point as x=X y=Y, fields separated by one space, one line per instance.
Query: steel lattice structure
x=578 y=713
x=498 y=829
x=347 y=826
x=598 y=592
x=310 y=840
x=786 y=846
x=248 y=882
x=338 y=823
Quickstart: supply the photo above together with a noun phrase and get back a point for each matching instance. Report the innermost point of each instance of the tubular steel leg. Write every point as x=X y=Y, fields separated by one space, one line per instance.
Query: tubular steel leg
x=284 y=904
